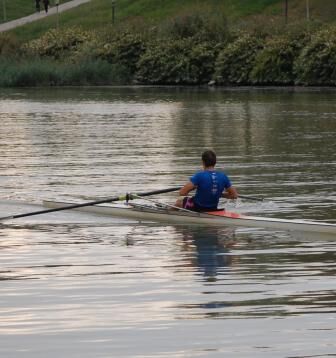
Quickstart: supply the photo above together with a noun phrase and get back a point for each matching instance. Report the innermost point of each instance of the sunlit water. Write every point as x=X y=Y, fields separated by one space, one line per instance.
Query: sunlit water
x=82 y=285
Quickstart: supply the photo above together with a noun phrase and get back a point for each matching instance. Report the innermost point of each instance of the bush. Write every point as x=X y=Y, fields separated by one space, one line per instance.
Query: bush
x=183 y=26
x=274 y=64
x=236 y=61
x=316 y=63
x=176 y=62
x=58 y=44
x=199 y=26
x=124 y=49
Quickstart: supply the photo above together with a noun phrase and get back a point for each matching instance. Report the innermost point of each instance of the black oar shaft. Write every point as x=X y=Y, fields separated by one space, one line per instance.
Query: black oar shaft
x=75 y=206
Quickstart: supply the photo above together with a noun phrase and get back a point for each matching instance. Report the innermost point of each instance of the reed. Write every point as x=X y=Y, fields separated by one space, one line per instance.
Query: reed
x=42 y=72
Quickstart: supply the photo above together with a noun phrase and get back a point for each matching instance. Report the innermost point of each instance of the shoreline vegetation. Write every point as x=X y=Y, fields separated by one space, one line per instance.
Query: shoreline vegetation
x=195 y=49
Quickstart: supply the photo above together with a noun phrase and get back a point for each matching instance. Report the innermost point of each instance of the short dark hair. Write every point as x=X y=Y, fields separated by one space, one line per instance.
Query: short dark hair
x=209 y=158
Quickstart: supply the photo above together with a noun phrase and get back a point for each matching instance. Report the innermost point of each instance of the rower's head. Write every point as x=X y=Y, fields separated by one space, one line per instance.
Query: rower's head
x=209 y=158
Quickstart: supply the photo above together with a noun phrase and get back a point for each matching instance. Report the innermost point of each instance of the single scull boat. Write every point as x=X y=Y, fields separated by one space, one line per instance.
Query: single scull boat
x=214 y=218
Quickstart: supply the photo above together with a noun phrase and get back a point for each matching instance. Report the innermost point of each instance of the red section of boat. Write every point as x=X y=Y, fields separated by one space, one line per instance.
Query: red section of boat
x=227 y=214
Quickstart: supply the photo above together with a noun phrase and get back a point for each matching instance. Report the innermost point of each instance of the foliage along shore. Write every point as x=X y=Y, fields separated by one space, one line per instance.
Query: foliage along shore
x=195 y=49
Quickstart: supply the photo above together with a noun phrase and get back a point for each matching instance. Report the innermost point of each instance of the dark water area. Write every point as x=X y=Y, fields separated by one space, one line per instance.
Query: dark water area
x=82 y=285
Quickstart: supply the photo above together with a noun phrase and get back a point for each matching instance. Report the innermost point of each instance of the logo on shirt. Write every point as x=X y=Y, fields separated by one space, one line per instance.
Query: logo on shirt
x=214 y=188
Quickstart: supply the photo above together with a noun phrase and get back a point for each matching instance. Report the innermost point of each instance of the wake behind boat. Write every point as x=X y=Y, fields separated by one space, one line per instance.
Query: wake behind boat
x=215 y=218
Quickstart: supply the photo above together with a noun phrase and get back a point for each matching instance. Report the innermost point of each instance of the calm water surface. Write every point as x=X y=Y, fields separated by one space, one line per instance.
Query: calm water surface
x=80 y=285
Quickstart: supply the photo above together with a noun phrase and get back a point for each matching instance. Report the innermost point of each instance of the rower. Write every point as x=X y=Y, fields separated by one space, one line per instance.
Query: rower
x=210 y=186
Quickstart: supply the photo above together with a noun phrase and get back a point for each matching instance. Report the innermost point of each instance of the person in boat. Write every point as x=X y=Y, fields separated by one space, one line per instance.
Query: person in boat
x=210 y=186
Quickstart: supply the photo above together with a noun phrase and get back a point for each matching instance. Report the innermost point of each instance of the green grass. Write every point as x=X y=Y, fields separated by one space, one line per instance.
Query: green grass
x=16 y=8
x=98 y=13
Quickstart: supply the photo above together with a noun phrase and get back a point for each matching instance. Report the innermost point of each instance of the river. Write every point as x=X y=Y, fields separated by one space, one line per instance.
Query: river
x=82 y=285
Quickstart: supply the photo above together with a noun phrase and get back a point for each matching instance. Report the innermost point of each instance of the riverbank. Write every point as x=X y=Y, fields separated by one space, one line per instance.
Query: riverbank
x=193 y=50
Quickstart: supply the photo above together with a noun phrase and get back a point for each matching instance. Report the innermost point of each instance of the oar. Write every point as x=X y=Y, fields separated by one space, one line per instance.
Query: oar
x=247 y=197
x=90 y=203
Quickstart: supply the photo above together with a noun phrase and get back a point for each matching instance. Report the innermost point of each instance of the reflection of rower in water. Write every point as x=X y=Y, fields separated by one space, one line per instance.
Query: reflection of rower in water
x=212 y=248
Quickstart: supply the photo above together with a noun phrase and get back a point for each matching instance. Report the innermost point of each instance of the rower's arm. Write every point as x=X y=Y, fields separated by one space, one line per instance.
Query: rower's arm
x=186 y=189
x=230 y=193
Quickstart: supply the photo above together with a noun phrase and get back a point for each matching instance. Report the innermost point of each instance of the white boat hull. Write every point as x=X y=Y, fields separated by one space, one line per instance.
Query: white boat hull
x=220 y=218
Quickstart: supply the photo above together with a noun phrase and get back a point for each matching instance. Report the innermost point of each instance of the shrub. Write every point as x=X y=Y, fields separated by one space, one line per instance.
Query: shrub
x=274 y=64
x=176 y=62
x=57 y=44
x=316 y=64
x=201 y=25
x=183 y=26
x=124 y=49
x=236 y=61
